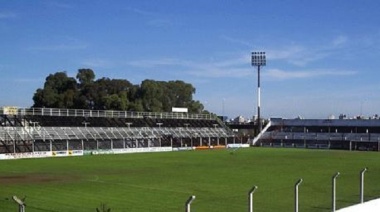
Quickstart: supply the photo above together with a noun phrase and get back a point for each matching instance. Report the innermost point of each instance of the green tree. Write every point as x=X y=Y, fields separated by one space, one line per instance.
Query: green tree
x=84 y=92
x=59 y=91
x=110 y=94
x=85 y=76
x=180 y=94
x=152 y=92
x=115 y=102
x=196 y=107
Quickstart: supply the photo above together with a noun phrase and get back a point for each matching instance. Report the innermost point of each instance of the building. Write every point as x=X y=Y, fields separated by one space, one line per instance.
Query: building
x=347 y=134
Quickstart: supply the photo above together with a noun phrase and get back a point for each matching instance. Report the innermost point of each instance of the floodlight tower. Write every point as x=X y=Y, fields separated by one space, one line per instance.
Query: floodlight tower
x=258 y=59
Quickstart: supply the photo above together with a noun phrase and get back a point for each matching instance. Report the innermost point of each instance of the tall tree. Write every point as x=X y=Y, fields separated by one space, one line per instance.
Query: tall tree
x=181 y=93
x=85 y=92
x=85 y=76
x=59 y=91
x=152 y=92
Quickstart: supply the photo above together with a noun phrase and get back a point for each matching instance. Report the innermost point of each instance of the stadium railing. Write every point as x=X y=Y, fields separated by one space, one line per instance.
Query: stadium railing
x=107 y=113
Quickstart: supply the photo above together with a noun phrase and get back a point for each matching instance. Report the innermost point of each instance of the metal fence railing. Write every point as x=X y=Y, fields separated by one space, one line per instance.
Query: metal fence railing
x=104 y=113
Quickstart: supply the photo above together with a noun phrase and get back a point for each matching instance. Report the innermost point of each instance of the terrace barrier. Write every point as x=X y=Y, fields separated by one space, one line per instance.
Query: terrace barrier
x=103 y=113
x=40 y=154
x=70 y=153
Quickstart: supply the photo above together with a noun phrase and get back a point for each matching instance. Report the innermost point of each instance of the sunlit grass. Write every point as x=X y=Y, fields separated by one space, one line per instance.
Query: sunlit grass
x=220 y=180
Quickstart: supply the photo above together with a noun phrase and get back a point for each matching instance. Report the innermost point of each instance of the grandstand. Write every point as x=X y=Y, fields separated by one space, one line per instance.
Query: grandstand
x=348 y=134
x=26 y=130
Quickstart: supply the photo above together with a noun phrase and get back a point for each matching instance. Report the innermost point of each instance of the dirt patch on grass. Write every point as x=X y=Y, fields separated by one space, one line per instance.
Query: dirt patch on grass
x=34 y=179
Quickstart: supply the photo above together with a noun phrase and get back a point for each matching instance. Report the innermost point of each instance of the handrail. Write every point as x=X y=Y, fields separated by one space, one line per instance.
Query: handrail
x=261 y=133
x=106 y=113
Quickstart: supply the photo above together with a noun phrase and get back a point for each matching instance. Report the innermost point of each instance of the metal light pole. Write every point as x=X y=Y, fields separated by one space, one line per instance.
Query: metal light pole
x=250 y=194
x=296 y=194
x=362 y=185
x=334 y=191
x=258 y=59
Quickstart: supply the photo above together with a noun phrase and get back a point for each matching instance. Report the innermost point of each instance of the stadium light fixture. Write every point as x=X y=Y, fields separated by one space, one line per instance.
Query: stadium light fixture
x=334 y=191
x=296 y=194
x=258 y=60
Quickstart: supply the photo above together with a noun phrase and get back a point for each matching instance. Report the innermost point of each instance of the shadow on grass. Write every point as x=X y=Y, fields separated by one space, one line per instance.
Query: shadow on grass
x=39 y=209
x=322 y=208
x=9 y=201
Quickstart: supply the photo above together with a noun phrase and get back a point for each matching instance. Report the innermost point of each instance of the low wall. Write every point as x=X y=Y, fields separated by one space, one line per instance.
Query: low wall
x=69 y=153
x=9 y=156
x=209 y=147
x=183 y=148
x=129 y=150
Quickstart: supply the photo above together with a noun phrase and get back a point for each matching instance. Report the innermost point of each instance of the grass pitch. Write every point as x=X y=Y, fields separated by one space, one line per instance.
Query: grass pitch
x=220 y=180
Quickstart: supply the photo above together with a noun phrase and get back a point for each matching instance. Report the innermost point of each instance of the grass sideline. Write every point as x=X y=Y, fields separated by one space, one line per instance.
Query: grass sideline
x=164 y=181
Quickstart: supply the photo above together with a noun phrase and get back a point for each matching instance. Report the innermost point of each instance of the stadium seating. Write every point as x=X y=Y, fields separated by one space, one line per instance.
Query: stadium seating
x=43 y=129
x=349 y=134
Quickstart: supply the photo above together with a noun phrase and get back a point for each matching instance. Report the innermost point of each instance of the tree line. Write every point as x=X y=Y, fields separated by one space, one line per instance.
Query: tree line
x=86 y=92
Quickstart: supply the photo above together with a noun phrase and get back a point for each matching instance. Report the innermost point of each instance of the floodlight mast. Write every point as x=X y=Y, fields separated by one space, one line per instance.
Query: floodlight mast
x=258 y=59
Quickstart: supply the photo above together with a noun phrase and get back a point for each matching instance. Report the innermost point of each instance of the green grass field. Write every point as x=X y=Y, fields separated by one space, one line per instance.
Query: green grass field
x=220 y=180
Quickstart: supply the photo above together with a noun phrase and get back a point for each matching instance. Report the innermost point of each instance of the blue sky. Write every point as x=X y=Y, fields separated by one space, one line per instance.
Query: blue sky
x=323 y=56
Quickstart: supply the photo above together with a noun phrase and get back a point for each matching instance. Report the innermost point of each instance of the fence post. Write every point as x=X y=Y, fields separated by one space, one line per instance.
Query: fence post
x=250 y=197
x=334 y=191
x=296 y=194
x=21 y=204
x=188 y=203
x=362 y=185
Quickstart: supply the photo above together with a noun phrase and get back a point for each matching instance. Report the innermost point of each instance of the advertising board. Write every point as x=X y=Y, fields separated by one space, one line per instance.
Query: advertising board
x=67 y=153
x=183 y=148
x=10 y=110
x=23 y=155
x=237 y=145
x=144 y=149
x=180 y=110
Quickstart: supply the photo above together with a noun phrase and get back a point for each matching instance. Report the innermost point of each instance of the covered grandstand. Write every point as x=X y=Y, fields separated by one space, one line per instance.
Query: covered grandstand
x=348 y=134
x=25 y=130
